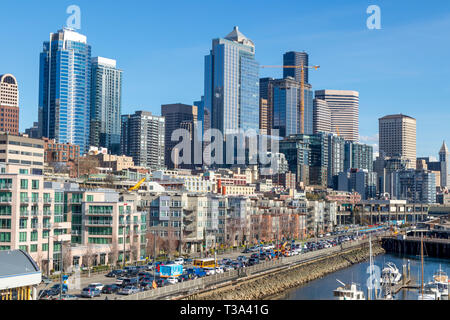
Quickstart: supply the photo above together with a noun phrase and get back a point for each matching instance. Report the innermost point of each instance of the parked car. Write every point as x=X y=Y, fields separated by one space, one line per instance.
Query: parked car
x=56 y=288
x=119 y=281
x=110 y=288
x=96 y=285
x=47 y=294
x=128 y=290
x=253 y=261
x=172 y=280
x=219 y=270
x=209 y=271
x=184 y=277
x=90 y=293
x=130 y=282
x=179 y=261
x=161 y=282
x=114 y=273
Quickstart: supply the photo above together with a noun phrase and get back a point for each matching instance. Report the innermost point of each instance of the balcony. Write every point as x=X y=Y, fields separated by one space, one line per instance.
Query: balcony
x=99 y=223
x=5 y=200
x=47 y=201
x=24 y=200
x=6 y=186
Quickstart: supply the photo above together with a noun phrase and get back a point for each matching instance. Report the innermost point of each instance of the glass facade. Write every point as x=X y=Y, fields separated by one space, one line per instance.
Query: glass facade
x=65 y=88
x=232 y=84
x=106 y=104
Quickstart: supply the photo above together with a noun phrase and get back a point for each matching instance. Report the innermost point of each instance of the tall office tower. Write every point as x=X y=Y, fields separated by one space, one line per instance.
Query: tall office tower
x=398 y=137
x=266 y=93
x=293 y=58
x=286 y=107
x=142 y=139
x=264 y=126
x=65 y=88
x=444 y=159
x=358 y=156
x=9 y=104
x=106 y=104
x=415 y=186
x=344 y=108
x=175 y=115
x=232 y=84
x=321 y=116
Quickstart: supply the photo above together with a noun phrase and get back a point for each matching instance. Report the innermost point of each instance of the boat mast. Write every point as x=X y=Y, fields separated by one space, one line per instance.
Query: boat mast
x=421 y=255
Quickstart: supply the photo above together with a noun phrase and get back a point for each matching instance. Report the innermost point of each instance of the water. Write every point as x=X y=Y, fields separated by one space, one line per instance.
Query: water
x=322 y=289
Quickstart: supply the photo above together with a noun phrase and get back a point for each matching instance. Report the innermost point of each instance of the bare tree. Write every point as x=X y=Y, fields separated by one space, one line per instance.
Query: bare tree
x=67 y=256
x=88 y=165
x=113 y=255
x=89 y=257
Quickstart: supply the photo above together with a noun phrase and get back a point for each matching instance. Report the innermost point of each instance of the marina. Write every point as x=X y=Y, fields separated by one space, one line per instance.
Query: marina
x=407 y=289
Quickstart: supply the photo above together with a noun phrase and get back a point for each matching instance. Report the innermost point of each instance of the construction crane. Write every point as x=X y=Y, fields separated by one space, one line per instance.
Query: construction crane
x=137 y=185
x=302 y=89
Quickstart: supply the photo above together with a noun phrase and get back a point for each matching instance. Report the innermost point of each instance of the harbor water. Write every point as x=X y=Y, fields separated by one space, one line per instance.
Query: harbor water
x=322 y=289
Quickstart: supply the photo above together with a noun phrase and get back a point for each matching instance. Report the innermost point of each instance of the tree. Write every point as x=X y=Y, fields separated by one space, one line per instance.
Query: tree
x=88 y=165
x=113 y=255
x=89 y=257
x=67 y=256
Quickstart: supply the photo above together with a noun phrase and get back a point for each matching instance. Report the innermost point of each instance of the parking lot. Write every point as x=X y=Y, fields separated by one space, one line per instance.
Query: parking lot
x=142 y=278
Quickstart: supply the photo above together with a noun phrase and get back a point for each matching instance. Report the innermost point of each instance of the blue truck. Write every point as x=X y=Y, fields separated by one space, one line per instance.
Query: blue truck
x=199 y=272
x=170 y=270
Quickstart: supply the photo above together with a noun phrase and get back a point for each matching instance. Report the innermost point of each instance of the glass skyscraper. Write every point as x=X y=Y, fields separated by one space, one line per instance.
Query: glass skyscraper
x=286 y=107
x=232 y=84
x=106 y=104
x=293 y=58
x=65 y=88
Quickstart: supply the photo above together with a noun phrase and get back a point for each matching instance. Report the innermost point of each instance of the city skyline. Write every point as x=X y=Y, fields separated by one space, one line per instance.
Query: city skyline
x=365 y=70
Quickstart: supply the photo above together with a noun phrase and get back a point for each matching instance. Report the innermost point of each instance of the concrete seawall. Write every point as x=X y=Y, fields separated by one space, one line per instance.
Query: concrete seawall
x=269 y=285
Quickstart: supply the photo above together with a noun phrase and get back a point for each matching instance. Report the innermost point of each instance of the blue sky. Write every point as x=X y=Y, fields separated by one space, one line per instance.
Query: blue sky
x=160 y=45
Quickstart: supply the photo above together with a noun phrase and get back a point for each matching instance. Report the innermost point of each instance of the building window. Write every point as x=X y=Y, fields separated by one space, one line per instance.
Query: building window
x=22 y=237
x=90 y=198
x=35 y=184
x=5 y=236
x=24 y=184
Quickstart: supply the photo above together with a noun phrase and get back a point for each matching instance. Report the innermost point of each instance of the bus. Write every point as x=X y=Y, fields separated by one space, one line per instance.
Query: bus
x=205 y=263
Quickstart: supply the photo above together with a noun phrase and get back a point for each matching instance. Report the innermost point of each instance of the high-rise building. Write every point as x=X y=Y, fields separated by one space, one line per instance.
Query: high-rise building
x=143 y=139
x=106 y=104
x=336 y=158
x=344 y=109
x=444 y=159
x=415 y=186
x=356 y=180
x=9 y=104
x=293 y=58
x=358 y=156
x=398 y=137
x=321 y=117
x=175 y=115
x=264 y=125
x=286 y=107
x=232 y=84
x=65 y=88
x=266 y=104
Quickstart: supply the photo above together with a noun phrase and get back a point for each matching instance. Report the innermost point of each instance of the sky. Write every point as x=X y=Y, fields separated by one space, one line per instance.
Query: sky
x=403 y=67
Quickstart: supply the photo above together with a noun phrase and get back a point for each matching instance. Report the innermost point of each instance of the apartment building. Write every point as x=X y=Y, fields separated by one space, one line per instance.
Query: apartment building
x=24 y=151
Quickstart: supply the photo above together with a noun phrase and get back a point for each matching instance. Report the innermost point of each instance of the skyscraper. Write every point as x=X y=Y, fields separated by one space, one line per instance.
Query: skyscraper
x=232 y=84
x=65 y=88
x=106 y=104
x=321 y=116
x=444 y=159
x=142 y=139
x=293 y=58
x=286 y=107
x=398 y=137
x=9 y=104
x=266 y=104
x=175 y=115
x=344 y=108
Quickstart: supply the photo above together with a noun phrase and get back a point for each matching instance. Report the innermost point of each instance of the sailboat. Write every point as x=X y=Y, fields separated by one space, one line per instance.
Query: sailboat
x=429 y=291
x=440 y=279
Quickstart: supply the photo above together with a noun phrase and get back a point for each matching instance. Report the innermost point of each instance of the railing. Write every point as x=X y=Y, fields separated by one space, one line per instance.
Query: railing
x=201 y=283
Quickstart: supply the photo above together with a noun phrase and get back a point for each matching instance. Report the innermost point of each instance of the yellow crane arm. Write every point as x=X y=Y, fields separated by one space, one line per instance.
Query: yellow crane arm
x=136 y=187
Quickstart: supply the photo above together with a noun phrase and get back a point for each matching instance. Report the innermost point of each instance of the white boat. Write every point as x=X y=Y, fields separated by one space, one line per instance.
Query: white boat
x=440 y=279
x=430 y=292
x=390 y=274
x=349 y=292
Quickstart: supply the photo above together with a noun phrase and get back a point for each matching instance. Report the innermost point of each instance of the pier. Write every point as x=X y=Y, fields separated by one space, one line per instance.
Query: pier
x=438 y=248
